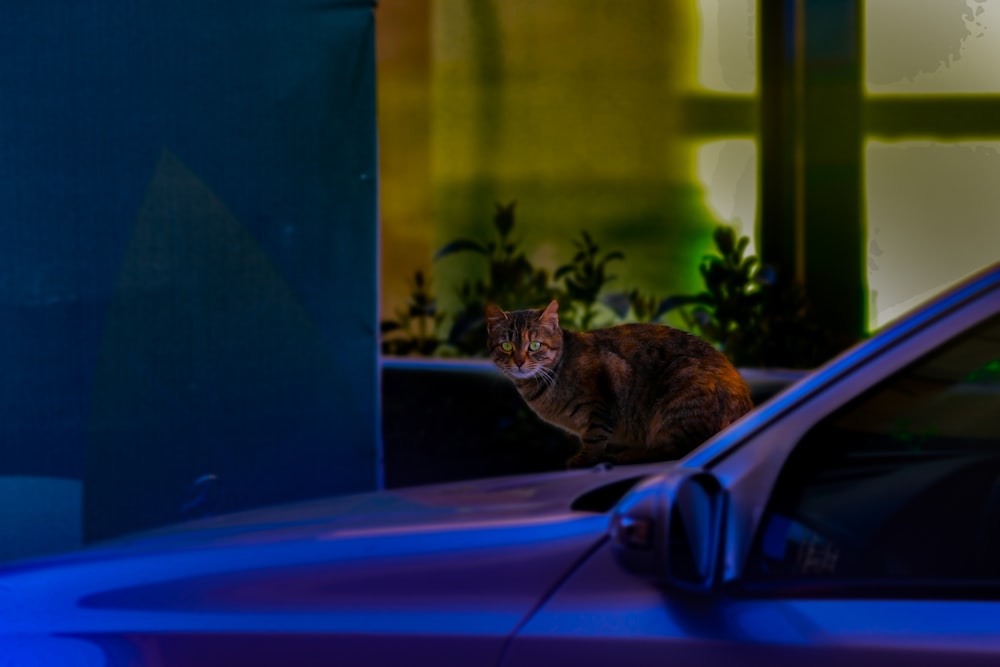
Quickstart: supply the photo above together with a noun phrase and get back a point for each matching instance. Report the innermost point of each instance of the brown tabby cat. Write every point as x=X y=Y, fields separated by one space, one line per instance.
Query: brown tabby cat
x=632 y=392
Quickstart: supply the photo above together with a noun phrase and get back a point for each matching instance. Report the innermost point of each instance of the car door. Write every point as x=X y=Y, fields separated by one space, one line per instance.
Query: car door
x=876 y=540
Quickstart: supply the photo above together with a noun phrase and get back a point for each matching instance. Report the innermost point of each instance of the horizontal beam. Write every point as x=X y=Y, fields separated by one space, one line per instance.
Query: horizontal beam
x=718 y=115
x=938 y=116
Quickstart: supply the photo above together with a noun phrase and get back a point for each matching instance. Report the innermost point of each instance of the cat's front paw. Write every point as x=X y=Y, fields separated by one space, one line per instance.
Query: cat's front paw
x=582 y=459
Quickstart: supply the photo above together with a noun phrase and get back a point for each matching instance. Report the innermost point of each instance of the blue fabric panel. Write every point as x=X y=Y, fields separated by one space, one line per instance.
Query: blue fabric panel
x=188 y=251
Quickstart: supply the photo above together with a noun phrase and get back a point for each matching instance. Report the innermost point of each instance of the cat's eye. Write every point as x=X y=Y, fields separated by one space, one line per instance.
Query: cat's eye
x=507 y=346
x=534 y=345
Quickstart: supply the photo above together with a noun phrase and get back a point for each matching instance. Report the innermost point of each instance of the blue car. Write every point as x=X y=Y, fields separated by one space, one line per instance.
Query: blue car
x=854 y=519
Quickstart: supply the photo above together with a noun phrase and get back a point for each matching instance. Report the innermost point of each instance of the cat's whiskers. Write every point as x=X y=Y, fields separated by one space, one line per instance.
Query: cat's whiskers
x=546 y=375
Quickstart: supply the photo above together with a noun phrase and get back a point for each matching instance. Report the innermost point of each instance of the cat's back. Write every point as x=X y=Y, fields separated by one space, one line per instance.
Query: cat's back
x=665 y=359
x=656 y=360
x=640 y=341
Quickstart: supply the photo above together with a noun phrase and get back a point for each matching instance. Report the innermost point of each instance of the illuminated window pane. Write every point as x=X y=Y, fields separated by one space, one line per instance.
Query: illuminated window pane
x=932 y=219
x=727 y=45
x=932 y=46
x=727 y=171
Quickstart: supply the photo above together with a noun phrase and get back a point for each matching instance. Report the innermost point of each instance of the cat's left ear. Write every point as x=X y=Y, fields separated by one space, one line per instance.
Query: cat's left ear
x=551 y=313
x=494 y=315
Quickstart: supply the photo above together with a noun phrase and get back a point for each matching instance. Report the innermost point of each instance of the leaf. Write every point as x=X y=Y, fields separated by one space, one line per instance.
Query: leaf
x=703 y=318
x=741 y=246
x=422 y=310
x=724 y=239
x=618 y=302
x=459 y=246
x=674 y=302
x=503 y=219
x=613 y=256
x=715 y=275
x=562 y=271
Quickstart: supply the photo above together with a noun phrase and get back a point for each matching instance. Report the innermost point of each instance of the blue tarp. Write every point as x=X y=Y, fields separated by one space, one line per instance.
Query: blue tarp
x=188 y=252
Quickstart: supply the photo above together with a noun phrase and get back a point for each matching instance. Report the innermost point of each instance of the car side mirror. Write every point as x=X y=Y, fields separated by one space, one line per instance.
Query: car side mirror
x=669 y=530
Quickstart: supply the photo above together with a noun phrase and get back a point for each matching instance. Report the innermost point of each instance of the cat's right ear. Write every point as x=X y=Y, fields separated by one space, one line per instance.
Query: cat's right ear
x=494 y=315
x=551 y=313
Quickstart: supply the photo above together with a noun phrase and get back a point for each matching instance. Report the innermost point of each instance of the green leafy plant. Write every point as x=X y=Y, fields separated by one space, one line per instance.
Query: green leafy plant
x=511 y=278
x=751 y=314
x=730 y=306
x=585 y=277
x=414 y=331
x=634 y=306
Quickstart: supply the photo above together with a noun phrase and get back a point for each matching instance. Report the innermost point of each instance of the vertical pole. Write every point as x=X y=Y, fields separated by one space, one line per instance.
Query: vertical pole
x=834 y=230
x=781 y=150
x=812 y=228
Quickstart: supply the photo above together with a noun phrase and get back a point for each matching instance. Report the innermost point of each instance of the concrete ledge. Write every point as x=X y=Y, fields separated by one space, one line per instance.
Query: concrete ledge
x=449 y=419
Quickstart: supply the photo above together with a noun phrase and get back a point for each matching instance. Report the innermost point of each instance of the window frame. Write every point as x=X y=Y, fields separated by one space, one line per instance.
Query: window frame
x=815 y=118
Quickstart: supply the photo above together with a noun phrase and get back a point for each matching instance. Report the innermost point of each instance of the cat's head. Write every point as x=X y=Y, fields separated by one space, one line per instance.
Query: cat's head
x=524 y=342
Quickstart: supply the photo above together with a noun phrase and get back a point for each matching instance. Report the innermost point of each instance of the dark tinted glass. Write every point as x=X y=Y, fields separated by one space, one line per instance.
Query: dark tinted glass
x=900 y=486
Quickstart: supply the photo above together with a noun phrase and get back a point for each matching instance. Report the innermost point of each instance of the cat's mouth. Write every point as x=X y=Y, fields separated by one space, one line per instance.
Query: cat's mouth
x=521 y=373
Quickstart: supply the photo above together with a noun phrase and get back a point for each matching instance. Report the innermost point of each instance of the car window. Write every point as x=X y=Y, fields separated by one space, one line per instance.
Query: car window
x=900 y=487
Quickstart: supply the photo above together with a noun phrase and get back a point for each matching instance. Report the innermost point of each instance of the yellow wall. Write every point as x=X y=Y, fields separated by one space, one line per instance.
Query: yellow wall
x=569 y=107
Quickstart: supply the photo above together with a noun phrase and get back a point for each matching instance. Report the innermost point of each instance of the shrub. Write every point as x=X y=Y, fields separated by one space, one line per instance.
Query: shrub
x=747 y=310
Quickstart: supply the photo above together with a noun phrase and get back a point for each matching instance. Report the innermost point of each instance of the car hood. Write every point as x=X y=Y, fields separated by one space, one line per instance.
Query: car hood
x=474 y=555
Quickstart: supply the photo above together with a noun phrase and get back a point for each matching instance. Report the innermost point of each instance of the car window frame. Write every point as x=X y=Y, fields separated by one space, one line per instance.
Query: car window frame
x=748 y=459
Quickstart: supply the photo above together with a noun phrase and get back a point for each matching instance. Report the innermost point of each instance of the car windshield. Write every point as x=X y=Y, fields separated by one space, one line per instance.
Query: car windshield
x=902 y=483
